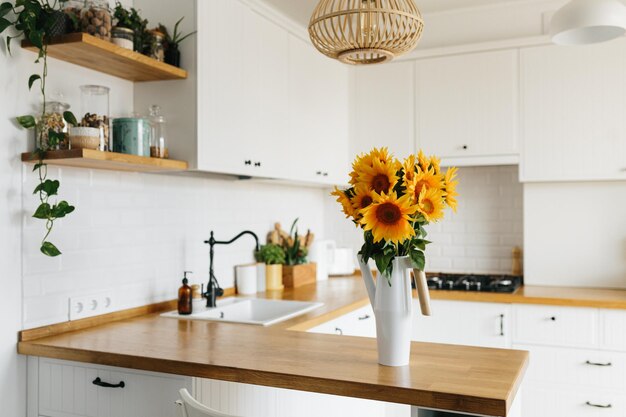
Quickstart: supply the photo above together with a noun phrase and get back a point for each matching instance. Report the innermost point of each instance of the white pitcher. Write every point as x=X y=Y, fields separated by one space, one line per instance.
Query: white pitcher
x=392 y=306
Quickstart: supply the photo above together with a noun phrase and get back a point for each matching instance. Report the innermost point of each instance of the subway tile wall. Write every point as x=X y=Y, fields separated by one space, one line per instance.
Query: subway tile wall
x=135 y=234
x=478 y=238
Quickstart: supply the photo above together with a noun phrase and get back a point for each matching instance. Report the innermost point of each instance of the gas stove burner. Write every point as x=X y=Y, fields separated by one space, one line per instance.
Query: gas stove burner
x=482 y=283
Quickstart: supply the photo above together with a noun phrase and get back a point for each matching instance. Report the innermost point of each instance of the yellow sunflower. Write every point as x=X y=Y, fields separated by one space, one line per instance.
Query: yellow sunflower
x=369 y=160
x=345 y=202
x=423 y=161
x=409 y=167
x=450 y=187
x=431 y=204
x=389 y=218
x=424 y=180
x=435 y=163
x=380 y=177
x=363 y=197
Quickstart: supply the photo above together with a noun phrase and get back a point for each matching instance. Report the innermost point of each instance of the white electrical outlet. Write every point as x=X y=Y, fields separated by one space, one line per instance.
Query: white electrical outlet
x=91 y=305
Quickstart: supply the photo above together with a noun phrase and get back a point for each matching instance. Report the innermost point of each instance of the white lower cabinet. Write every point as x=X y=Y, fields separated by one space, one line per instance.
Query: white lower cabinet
x=577 y=363
x=69 y=389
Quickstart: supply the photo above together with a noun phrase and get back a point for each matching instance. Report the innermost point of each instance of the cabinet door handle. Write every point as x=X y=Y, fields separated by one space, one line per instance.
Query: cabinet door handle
x=338 y=331
x=247 y=162
x=325 y=174
x=318 y=173
x=590 y=404
x=365 y=317
x=464 y=147
x=552 y=318
x=100 y=383
x=257 y=164
x=501 y=324
x=598 y=363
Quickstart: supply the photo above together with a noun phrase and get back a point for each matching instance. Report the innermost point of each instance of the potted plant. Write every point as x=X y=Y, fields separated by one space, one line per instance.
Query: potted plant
x=40 y=21
x=172 y=43
x=297 y=271
x=273 y=256
x=130 y=19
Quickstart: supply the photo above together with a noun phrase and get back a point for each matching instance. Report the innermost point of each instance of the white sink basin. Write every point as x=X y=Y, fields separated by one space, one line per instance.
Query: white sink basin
x=258 y=311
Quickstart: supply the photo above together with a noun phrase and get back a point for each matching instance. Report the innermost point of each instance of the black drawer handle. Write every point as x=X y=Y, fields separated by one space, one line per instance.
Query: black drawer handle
x=598 y=363
x=100 y=383
x=338 y=331
x=552 y=318
x=590 y=404
x=365 y=317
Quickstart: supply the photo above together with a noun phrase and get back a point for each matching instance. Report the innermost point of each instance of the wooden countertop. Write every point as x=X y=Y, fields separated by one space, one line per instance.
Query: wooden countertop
x=456 y=378
x=557 y=296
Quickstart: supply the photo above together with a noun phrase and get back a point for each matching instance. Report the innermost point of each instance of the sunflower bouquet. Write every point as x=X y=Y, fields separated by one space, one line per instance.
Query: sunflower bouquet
x=392 y=201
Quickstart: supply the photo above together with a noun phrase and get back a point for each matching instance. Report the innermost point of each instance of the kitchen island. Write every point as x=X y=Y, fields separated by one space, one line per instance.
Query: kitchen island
x=458 y=379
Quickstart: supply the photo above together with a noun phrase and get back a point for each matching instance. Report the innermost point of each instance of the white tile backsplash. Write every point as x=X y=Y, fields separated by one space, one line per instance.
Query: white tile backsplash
x=136 y=233
x=477 y=239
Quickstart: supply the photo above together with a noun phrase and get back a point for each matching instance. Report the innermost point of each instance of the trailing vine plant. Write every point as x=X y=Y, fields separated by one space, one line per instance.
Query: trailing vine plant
x=34 y=20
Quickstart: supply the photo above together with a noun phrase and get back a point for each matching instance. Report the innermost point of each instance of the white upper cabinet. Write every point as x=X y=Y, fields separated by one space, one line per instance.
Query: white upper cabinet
x=383 y=108
x=573 y=107
x=467 y=107
x=242 y=90
x=318 y=115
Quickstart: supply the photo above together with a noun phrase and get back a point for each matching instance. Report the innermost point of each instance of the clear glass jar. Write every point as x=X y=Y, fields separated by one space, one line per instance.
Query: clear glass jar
x=52 y=119
x=96 y=19
x=95 y=111
x=123 y=37
x=157 y=50
x=158 y=141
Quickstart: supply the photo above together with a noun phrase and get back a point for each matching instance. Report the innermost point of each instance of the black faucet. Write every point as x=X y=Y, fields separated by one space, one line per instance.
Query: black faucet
x=213 y=289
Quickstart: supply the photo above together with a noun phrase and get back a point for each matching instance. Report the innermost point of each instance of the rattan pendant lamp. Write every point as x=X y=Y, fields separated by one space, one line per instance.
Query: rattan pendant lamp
x=365 y=31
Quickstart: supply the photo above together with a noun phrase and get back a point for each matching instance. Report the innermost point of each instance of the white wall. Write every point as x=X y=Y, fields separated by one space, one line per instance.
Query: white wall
x=135 y=234
x=478 y=238
x=575 y=234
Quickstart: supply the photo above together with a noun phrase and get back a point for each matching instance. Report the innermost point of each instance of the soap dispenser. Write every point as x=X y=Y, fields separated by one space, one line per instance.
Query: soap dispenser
x=185 y=297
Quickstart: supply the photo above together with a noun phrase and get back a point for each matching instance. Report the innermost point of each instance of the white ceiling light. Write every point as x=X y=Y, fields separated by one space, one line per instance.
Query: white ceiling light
x=582 y=22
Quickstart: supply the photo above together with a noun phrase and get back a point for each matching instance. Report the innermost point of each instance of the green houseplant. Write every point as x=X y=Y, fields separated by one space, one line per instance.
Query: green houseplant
x=38 y=21
x=172 y=43
x=297 y=271
x=131 y=19
x=273 y=256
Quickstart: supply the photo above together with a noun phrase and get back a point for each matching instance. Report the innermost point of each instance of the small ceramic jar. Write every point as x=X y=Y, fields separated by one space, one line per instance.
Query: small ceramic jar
x=123 y=37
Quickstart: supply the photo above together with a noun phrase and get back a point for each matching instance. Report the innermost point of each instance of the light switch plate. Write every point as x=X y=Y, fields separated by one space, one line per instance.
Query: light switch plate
x=84 y=306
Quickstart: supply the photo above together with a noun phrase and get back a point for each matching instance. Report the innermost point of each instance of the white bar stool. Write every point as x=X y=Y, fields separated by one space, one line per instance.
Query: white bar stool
x=189 y=407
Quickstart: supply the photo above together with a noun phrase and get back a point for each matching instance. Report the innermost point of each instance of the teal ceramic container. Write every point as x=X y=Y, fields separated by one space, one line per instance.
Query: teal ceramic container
x=132 y=136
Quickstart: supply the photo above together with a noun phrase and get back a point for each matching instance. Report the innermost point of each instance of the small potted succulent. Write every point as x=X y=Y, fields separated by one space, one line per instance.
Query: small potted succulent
x=172 y=43
x=273 y=256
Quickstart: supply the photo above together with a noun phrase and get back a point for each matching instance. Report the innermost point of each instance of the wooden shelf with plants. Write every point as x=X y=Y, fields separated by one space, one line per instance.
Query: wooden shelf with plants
x=112 y=161
x=97 y=54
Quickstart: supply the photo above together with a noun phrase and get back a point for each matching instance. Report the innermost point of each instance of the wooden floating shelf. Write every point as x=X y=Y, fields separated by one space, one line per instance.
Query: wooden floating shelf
x=100 y=55
x=112 y=161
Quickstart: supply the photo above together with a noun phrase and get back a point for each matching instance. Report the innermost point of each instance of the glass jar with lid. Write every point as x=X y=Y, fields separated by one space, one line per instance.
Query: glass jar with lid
x=96 y=19
x=52 y=119
x=95 y=112
x=158 y=141
x=157 y=50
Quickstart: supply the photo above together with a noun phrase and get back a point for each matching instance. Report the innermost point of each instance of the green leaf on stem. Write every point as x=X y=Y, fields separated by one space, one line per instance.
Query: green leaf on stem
x=27 y=122
x=49 y=249
x=69 y=117
x=32 y=80
x=4 y=24
x=61 y=209
x=417 y=258
x=38 y=165
x=5 y=8
x=43 y=211
x=48 y=187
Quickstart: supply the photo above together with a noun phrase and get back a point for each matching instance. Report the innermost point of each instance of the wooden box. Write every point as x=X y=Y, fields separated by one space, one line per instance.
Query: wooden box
x=298 y=275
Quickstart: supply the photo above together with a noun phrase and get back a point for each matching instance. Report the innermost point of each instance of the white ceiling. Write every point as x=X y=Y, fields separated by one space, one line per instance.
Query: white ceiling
x=300 y=10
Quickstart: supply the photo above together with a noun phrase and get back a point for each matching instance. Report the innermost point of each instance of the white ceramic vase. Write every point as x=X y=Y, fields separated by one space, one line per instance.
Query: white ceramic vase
x=391 y=300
